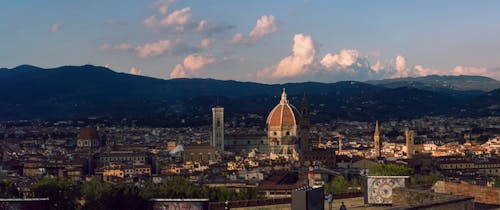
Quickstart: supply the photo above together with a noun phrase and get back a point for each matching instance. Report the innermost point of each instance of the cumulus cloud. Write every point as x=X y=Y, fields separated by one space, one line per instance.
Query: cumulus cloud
x=202 y=25
x=178 y=72
x=264 y=26
x=55 y=27
x=377 y=67
x=344 y=59
x=400 y=67
x=296 y=64
x=195 y=62
x=177 y=19
x=420 y=70
x=154 y=49
x=135 y=71
x=205 y=43
x=238 y=38
x=483 y=71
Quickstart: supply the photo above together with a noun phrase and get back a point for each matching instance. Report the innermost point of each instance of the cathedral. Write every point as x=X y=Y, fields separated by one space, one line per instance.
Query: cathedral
x=288 y=133
x=282 y=129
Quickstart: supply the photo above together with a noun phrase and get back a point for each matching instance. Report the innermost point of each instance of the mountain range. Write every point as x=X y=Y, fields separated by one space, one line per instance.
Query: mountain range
x=74 y=92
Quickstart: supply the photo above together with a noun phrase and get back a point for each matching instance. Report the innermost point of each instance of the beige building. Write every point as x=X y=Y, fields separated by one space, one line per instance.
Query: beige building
x=199 y=152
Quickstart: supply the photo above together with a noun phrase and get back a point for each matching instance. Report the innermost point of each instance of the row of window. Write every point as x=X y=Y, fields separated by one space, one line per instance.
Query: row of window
x=455 y=166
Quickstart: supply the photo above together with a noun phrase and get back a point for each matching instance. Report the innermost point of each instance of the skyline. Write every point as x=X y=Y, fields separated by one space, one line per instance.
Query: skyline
x=280 y=42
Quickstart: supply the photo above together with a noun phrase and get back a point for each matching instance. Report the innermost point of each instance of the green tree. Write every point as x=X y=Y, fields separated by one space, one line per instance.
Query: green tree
x=497 y=182
x=8 y=189
x=63 y=193
x=390 y=169
x=338 y=184
x=431 y=178
x=93 y=192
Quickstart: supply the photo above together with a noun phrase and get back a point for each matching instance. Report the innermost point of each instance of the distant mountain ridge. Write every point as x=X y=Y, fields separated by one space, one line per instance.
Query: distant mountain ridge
x=67 y=92
x=439 y=82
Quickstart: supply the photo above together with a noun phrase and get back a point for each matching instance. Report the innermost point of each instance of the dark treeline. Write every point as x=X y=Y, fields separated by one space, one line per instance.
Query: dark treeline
x=67 y=194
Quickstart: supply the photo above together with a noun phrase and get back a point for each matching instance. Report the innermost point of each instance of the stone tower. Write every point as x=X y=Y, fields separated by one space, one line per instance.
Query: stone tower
x=305 y=144
x=217 y=139
x=376 y=140
x=410 y=142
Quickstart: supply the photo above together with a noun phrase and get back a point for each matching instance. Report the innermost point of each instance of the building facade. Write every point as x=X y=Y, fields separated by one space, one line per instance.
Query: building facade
x=282 y=129
x=88 y=138
x=410 y=143
x=217 y=140
x=376 y=141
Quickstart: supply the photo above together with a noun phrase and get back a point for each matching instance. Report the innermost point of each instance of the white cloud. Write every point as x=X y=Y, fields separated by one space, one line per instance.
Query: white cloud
x=344 y=59
x=400 y=67
x=202 y=25
x=205 y=43
x=296 y=64
x=55 y=27
x=420 y=70
x=135 y=71
x=154 y=49
x=482 y=71
x=377 y=67
x=151 y=22
x=178 y=72
x=177 y=19
x=264 y=26
x=195 y=62
x=238 y=38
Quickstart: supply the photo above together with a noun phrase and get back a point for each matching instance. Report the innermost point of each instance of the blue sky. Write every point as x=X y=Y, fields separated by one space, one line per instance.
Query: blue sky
x=264 y=41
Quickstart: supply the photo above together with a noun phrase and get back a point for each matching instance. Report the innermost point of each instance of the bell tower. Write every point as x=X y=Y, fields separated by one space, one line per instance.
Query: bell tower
x=305 y=145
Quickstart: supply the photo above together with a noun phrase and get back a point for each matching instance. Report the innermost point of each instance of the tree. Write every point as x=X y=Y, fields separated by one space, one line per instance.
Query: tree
x=93 y=192
x=8 y=189
x=337 y=185
x=390 y=169
x=431 y=178
x=62 y=193
x=497 y=182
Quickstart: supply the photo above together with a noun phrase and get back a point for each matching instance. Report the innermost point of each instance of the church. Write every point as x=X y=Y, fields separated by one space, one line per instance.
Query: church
x=288 y=134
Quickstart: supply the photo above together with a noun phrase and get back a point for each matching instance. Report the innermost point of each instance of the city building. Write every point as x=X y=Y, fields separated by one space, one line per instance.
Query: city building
x=88 y=138
x=199 y=152
x=217 y=139
x=282 y=129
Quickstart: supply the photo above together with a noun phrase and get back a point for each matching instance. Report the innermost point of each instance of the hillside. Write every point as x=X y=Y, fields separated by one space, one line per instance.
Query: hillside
x=70 y=92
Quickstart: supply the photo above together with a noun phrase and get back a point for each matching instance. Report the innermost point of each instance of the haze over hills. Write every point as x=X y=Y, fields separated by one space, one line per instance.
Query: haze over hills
x=68 y=92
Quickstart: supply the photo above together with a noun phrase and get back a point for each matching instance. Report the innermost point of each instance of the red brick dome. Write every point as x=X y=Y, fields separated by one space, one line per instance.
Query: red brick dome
x=283 y=114
x=88 y=134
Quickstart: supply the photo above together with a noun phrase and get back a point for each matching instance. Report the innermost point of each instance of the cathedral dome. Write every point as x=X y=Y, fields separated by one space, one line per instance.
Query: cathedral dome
x=283 y=114
x=88 y=134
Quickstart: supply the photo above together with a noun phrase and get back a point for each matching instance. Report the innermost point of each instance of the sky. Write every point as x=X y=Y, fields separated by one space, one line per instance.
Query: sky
x=265 y=41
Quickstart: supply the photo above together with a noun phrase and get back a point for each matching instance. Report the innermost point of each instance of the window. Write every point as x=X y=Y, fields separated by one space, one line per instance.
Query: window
x=274 y=133
x=288 y=133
